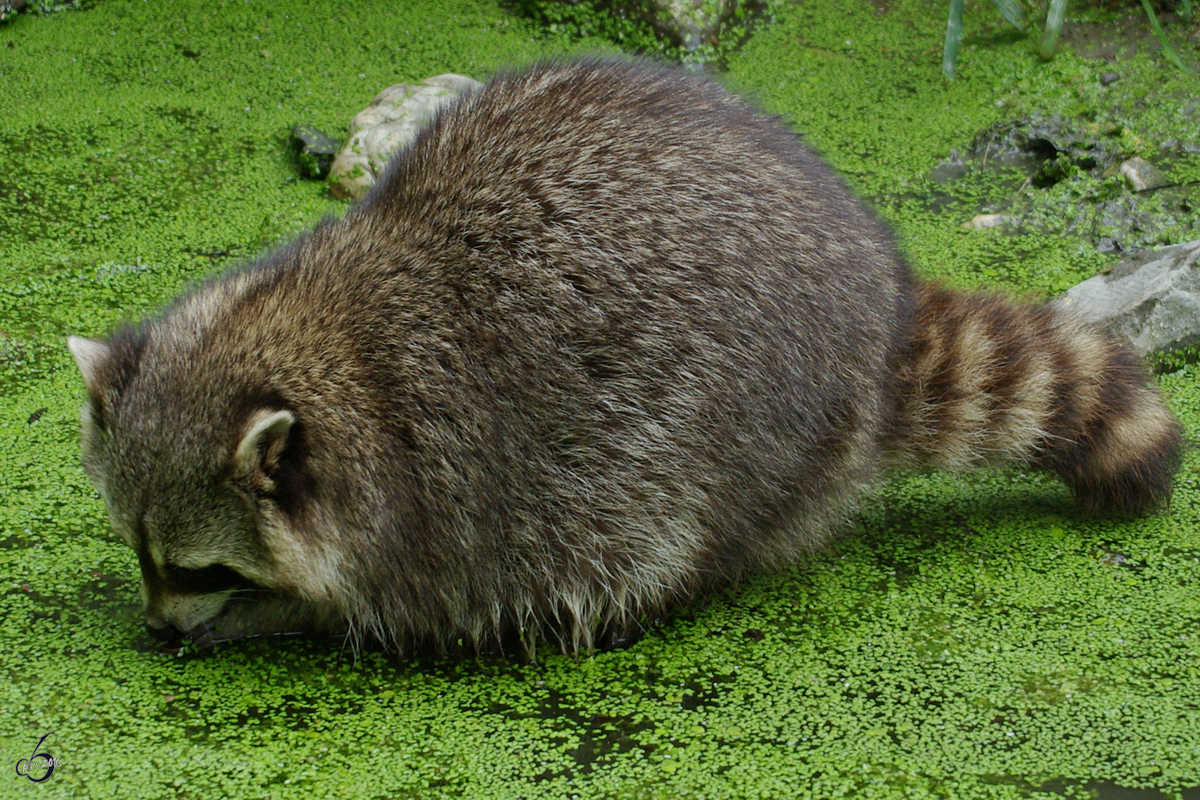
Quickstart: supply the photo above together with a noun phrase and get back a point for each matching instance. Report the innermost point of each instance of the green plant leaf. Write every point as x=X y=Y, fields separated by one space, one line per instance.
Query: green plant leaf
x=1054 y=23
x=953 y=38
x=1168 y=51
x=1013 y=13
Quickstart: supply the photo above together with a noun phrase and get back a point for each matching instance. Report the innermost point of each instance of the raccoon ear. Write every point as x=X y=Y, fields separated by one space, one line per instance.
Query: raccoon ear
x=91 y=356
x=263 y=443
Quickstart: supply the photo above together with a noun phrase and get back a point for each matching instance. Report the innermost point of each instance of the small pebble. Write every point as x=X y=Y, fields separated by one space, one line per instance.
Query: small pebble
x=1141 y=175
x=984 y=221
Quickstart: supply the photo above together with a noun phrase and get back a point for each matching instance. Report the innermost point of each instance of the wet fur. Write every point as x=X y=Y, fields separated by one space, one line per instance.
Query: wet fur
x=604 y=337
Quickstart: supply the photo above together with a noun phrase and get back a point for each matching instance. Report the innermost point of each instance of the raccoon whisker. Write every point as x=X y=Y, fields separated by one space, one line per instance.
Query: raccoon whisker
x=355 y=636
x=264 y=635
x=352 y=641
x=255 y=593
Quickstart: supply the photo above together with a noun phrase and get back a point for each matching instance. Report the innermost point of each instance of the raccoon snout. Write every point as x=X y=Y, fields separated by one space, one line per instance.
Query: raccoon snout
x=164 y=632
x=185 y=613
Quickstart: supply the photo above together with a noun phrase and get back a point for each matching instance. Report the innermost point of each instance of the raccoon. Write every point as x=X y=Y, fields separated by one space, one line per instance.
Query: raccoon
x=602 y=338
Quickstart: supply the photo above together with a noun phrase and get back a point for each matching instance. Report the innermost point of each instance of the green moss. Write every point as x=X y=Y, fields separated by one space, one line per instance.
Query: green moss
x=1173 y=362
x=969 y=637
x=596 y=18
x=636 y=27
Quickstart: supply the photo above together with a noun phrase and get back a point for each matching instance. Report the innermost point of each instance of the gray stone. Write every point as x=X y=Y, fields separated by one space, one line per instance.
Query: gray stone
x=951 y=169
x=1152 y=297
x=315 y=150
x=1141 y=175
x=9 y=8
x=390 y=123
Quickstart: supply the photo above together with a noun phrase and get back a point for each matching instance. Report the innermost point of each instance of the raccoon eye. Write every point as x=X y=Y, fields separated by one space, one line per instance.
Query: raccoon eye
x=206 y=580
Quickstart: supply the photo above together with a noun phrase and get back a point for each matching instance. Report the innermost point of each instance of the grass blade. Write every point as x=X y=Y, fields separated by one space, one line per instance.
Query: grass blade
x=1013 y=13
x=1054 y=23
x=953 y=38
x=1168 y=51
x=1187 y=10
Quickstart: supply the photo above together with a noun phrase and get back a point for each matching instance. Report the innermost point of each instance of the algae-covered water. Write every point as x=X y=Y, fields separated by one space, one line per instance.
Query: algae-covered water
x=970 y=637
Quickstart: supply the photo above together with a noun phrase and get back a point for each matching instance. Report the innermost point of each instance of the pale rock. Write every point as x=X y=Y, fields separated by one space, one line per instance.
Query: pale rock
x=1151 y=297
x=389 y=124
x=1141 y=175
x=981 y=222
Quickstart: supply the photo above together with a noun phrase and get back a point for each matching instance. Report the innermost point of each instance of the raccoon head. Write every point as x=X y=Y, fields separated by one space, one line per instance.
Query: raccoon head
x=193 y=484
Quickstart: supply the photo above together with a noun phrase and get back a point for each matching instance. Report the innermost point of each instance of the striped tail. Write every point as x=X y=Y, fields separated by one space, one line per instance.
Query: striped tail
x=986 y=380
